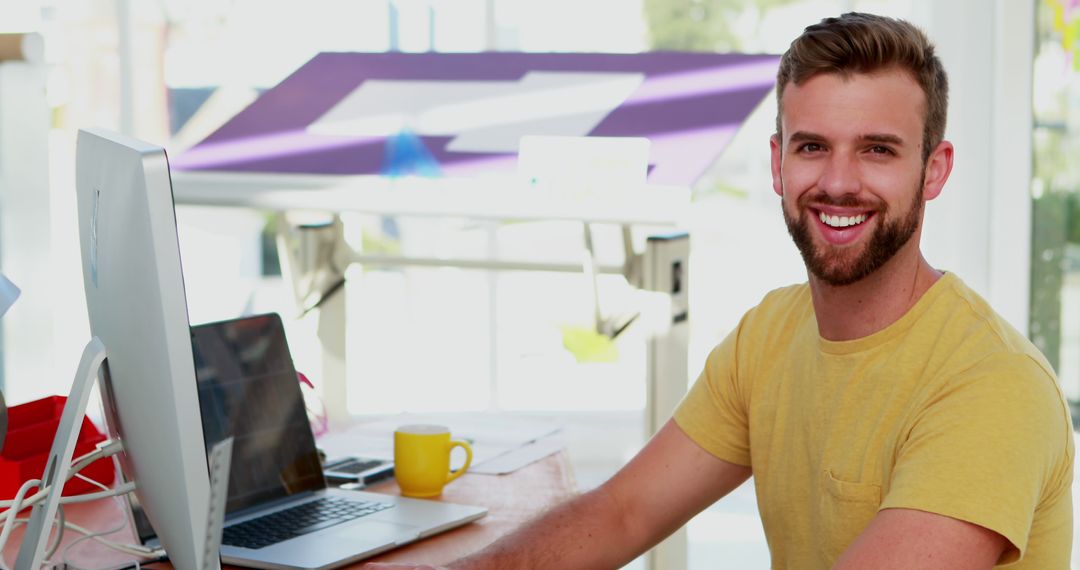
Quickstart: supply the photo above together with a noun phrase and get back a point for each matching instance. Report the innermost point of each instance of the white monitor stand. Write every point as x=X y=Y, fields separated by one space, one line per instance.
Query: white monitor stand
x=32 y=550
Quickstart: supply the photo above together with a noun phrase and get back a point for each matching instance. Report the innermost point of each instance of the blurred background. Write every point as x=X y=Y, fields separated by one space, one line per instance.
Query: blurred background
x=451 y=340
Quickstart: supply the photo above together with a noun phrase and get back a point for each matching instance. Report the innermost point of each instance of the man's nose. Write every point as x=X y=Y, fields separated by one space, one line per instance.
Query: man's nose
x=840 y=175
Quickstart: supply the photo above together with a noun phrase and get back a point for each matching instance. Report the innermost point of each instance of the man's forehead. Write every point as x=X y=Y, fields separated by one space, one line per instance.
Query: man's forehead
x=882 y=103
x=889 y=74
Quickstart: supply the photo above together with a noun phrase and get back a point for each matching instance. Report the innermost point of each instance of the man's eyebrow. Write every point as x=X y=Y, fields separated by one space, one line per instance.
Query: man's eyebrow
x=883 y=138
x=804 y=136
x=886 y=138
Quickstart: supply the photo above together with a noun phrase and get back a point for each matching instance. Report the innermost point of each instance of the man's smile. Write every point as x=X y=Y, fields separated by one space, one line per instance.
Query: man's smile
x=840 y=226
x=835 y=221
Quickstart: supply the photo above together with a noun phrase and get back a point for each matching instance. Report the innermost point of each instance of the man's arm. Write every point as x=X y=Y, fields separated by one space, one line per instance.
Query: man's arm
x=907 y=538
x=669 y=481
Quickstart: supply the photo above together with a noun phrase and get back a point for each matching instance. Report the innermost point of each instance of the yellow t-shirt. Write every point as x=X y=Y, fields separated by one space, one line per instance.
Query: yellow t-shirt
x=948 y=410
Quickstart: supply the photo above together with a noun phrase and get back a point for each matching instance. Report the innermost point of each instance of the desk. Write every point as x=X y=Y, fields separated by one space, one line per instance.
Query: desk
x=96 y=516
x=511 y=499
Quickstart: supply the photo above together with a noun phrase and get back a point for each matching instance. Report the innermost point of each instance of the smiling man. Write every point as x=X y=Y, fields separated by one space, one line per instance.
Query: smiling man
x=890 y=418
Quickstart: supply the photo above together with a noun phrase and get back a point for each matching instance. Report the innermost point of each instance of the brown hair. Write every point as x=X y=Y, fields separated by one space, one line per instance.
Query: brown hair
x=865 y=43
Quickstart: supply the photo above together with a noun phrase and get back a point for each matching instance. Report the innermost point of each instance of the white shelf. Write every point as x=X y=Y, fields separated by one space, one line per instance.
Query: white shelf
x=497 y=199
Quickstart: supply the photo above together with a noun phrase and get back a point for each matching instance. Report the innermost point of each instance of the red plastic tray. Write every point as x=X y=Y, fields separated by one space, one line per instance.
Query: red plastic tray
x=31 y=429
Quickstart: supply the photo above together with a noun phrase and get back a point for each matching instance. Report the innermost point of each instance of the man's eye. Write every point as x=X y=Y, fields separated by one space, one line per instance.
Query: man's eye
x=810 y=147
x=878 y=149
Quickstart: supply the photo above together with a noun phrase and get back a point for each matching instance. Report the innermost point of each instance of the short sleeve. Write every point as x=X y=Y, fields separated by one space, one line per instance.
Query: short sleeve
x=988 y=449
x=714 y=412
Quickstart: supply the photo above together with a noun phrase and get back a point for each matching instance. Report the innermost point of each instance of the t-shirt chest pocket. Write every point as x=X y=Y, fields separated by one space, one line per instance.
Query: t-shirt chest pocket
x=845 y=509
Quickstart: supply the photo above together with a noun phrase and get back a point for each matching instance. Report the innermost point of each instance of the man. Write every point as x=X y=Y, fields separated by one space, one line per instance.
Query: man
x=889 y=417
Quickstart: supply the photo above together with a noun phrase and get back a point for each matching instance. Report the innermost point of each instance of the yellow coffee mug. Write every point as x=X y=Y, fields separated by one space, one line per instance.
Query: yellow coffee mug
x=422 y=459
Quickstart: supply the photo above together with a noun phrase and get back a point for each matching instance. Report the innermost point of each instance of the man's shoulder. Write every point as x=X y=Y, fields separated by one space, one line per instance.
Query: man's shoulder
x=783 y=299
x=966 y=318
x=978 y=354
x=778 y=312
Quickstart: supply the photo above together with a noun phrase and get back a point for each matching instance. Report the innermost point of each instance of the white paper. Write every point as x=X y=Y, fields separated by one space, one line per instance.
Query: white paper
x=490 y=438
x=517 y=458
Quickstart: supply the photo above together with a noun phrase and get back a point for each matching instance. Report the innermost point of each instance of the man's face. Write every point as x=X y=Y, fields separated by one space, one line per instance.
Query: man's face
x=850 y=172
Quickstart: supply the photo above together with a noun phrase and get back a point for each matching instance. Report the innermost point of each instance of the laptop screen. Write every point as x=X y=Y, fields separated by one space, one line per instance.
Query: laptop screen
x=248 y=390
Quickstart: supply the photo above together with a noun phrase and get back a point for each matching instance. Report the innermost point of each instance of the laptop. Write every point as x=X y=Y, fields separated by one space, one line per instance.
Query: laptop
x=280 y=513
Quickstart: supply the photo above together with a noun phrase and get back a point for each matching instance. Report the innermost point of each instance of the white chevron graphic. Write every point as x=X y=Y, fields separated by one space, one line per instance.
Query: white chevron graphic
x=486 y=116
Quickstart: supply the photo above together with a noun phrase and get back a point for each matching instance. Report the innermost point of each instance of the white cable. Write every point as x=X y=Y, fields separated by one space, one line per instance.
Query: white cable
x=20 y=502
x=79 y=464
x=84 y=498
x=11 y=512
x=98 y=537
x=9 y=524
x=62 y=520
x=44 y=492
x=87 y=497
x=93 y=482
x=132 y=550
x=90 y=536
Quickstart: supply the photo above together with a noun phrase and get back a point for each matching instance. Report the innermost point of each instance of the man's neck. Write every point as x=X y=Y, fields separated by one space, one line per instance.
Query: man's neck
x=869 y=305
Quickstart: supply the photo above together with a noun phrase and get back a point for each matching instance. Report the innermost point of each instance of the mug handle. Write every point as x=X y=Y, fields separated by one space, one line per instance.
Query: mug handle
x=468 y=458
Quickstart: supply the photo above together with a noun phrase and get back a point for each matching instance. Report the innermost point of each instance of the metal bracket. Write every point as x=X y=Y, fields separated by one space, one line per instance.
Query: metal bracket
x=315 y=258
x=611 y=325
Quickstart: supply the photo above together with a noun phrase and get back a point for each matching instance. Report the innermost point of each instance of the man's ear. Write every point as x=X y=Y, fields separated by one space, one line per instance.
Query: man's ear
x=938 y=167
x=776 y=148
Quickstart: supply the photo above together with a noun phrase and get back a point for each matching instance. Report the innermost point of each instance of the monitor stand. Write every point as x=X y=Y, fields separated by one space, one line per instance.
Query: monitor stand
x=32 y=550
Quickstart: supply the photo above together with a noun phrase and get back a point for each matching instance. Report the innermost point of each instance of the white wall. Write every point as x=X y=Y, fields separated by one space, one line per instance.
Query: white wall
x=980 y=227
x=25 y=253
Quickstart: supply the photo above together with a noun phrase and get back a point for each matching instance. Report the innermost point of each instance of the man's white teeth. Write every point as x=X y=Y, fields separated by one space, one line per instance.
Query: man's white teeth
x=842 y=221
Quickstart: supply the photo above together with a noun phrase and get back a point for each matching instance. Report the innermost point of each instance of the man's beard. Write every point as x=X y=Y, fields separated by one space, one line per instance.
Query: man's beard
x=837 y=266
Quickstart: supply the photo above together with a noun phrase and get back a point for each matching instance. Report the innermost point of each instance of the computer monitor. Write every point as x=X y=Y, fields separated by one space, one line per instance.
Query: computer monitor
x=137 y=307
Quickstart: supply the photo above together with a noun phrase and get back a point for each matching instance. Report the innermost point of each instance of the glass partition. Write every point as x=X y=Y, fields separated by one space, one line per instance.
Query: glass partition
x=1055 y=191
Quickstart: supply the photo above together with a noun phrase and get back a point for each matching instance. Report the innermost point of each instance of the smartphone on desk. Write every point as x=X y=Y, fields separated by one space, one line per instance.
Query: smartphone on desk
x=358 y=472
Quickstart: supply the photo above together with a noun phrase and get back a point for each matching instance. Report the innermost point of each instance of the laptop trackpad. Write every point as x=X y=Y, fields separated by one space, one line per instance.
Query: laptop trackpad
x=373 y=532
x=344 y=543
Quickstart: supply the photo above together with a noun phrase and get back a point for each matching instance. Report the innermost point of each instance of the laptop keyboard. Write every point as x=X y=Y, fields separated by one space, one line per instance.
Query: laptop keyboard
x=354 y=466
x=301 y=519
